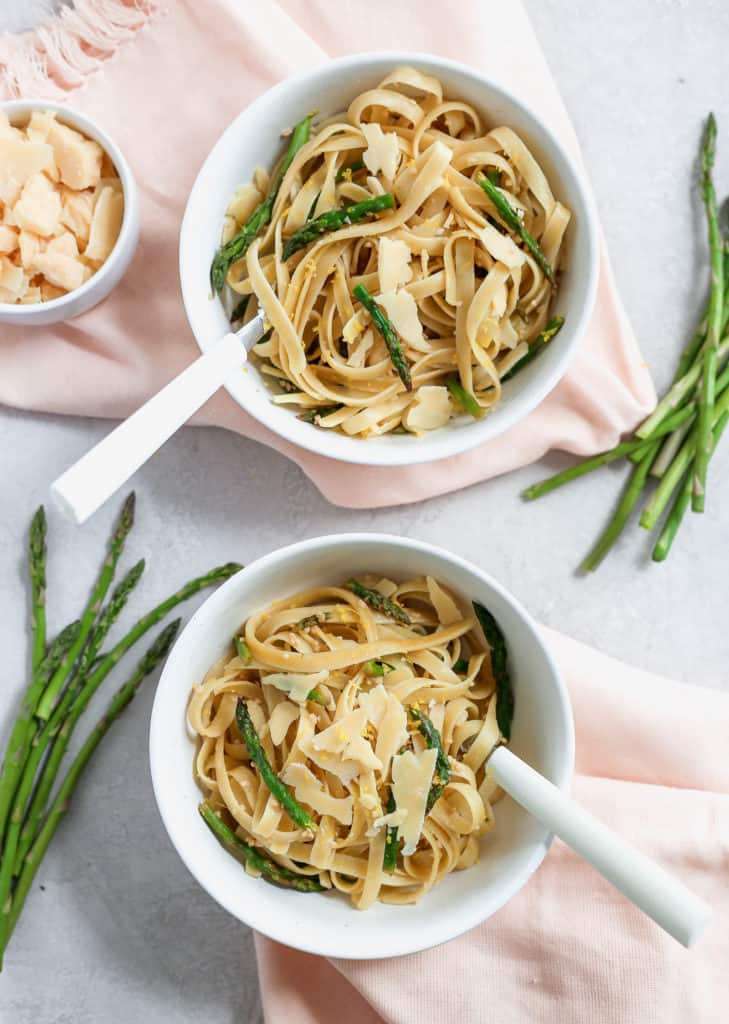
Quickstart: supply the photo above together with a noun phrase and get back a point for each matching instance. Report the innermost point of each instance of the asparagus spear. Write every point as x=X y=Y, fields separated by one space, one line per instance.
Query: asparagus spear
x=713 y=320
x=123 y=526
x=376 y=600
x=261 y=216
x=10 y=909
x=442 y=773
x=241 y=649
x=59 y=727
x=460 y=666
x=268 y=776
x=554 y=326
x=239 y=310
x=332 y=220
x=392 y=340
x=622 y=513
x=23 y=730
x=270 y=870
x=314 y=415
x=392 y=842
x=377 y=668
x=106 y=619
x=37 y=567
x=511 y=218
x=637 y=445
x=504 y=691
x=464 y=398
x=681 y=504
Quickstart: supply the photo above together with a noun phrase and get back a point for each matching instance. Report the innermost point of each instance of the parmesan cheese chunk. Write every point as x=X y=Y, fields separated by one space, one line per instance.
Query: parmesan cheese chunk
x=430 y=410
x=308 y=790
x=78 y=208
x=382 y=153
x=8 y=239
x=10 y=189
x=105 y=224
x=39 y=125
x=352 y=328
x=243 y=203
x=30 y=244
x=297 y=685
x=78 y=159
x=12 y=279
x=402 y=311
x=388 y=716
x=20 y=159
x=60 y=269
x=39 y=206
x=393 y=263
x=412 y=775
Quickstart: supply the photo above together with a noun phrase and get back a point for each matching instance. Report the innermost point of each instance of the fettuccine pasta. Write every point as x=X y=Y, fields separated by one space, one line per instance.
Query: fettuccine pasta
x=446 y=263
x=374 y=706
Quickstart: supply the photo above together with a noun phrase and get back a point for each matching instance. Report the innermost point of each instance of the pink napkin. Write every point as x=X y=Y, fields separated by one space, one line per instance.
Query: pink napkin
x=165 y=81
x=568 y=947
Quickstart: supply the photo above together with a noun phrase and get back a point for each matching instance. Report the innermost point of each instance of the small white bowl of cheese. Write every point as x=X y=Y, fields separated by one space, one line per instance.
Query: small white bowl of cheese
x=69 y=213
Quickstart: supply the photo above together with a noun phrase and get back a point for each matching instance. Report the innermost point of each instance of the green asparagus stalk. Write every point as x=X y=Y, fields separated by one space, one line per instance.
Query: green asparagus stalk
x=23 y=729
x=713 y=320
x=464 y=398
x=241 y=649
x=269 y=777
x=442 y=773
x=261 y=216
x=10 y=909
x=379 y=602
x=513 y=221
x=37 y=568
x=554 y=326
x=123 y=526
x=314 y=415
x=388 y=332
x=638 y=445
x=377 y=668
x=346 y=173
x=332 y=220
x=615 y=526
x=59 y=728
x=504 y=691
x=392 y=840
x=682 y=501
x=268 y=868
x=460 y=666
x=239 y=310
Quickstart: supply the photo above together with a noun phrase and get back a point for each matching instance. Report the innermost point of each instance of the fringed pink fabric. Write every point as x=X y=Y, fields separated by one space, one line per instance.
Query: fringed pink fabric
x=64 y=50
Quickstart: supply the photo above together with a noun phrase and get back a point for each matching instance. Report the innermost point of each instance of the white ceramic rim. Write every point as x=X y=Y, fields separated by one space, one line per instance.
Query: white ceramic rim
x=16 y=109
x=257 y=916
x=447 y=442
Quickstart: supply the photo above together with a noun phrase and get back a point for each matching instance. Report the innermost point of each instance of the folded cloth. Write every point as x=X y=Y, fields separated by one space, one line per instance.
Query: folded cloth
x=165 y=80
x=651 y=763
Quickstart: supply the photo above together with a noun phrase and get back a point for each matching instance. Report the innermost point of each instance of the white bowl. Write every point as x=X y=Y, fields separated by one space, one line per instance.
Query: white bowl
x=253 y=140
x=112 y=270
x=326 y=923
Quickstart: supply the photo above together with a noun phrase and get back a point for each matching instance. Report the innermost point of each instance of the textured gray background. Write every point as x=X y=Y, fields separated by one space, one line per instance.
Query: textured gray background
x=120 y=932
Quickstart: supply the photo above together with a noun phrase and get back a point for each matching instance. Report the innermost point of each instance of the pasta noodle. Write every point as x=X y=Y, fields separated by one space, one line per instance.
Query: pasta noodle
x=462 y=290
x=370 y=723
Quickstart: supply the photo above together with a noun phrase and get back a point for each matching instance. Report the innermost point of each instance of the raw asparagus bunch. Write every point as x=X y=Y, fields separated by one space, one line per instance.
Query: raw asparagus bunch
x=62 y=680
x=674 y=445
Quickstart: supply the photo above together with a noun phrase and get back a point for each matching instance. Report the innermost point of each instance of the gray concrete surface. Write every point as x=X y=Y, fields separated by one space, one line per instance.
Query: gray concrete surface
x=115 y=929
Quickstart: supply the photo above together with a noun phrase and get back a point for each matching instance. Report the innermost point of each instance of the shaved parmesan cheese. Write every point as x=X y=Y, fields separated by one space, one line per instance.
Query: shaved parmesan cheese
x=446 y=608
x=382 y=153
x=39 y=206
x=64 y=243
x=105 y=224
x=393 y=263
x=411 y=778
x=29 y=244
x=78 y=159
x=282 y=716
x=344 y=737
x=39 y=125
x=402 y=311
x=10 y=189
x=501 y=247
x=8 y=240
x=309 y=790
x=392 y=820
x=77 y=210
x=296 y=685
x=352 y=328
x=430 y=409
